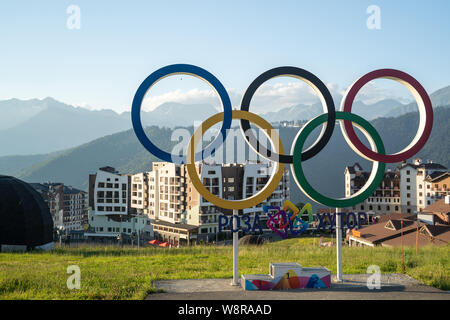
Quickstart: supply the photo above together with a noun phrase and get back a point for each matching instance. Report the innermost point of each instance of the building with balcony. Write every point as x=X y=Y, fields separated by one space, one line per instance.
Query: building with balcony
x=166 y=195
x=174 y=200
x=109 y=192
x=139 y=192
x=385 y=199
x=112 y=211
x=408 y=189
x=417 y=187
x=68 y=206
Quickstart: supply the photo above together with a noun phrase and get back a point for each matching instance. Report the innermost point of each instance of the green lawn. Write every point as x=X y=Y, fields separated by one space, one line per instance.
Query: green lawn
x=113 y=273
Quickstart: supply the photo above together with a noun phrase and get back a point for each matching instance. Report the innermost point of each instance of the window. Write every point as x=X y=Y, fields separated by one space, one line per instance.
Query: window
x=420 y=186
x=212 y=172
x=396 y=208
x=408 y=172
x=408 y=188
x=408 y=180
x=408 y=195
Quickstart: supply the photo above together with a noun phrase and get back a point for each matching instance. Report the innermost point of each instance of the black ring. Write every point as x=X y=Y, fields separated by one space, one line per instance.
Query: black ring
x=313 y=81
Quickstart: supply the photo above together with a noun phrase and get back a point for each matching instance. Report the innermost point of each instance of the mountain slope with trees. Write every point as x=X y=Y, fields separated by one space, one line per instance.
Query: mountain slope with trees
x=325 y=171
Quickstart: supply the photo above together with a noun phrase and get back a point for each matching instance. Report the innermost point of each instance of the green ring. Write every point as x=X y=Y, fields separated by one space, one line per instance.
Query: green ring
x=299 y=175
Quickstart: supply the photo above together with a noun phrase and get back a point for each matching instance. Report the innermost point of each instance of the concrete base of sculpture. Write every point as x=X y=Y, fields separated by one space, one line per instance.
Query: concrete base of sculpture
x=285 y=276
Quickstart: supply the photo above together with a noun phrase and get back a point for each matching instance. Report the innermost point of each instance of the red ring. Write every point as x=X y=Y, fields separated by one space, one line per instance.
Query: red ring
x=396 y=75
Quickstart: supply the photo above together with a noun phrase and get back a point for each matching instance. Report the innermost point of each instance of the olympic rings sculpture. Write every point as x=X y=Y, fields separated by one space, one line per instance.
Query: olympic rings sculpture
x=346 y=120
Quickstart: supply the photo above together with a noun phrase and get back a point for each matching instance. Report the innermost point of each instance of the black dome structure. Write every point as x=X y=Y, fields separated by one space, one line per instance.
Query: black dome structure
x=25 y=219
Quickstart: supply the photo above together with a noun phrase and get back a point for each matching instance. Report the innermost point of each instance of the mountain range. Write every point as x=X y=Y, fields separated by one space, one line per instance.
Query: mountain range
x=45 y=126
x=383 y=108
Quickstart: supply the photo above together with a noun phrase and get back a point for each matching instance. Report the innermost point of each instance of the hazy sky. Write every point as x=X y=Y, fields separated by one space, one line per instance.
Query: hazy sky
x=119 y=44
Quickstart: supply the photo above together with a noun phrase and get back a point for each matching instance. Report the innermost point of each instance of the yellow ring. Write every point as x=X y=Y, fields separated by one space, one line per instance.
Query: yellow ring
x=254 y=200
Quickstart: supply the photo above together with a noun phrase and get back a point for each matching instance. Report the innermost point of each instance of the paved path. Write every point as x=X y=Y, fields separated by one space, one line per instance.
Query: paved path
x=393 y=287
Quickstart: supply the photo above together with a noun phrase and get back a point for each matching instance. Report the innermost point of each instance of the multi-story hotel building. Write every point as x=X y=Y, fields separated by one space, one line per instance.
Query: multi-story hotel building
x=408 y=189
x=176 y=211
x=114 y=201
x=438 y=184
x=109 y=192
x=139 y=191
x=386 y=197
x=68 y=205
x=422 y=184
x=174 y=203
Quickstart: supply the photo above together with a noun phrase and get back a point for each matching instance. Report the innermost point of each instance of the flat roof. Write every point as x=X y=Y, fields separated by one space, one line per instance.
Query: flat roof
x=87 y=234
x=175 y=225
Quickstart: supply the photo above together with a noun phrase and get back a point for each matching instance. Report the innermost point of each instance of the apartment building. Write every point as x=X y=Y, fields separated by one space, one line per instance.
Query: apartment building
x=75 y=215
x=139 y=191
x=408 y=189
x=109 y=192
x=417 y=187
x=116 y=204
x=68 y=205
x=438 y=184
x=385 y=199
x=174 y=203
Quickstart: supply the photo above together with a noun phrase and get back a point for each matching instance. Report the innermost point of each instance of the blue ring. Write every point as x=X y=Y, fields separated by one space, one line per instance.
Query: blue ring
x=171 y=70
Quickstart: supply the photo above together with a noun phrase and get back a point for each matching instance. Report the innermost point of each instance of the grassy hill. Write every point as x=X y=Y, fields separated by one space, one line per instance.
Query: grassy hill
x=114 y=273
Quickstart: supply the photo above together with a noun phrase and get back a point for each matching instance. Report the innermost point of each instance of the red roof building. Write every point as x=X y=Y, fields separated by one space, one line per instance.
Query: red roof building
x=388 y=231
